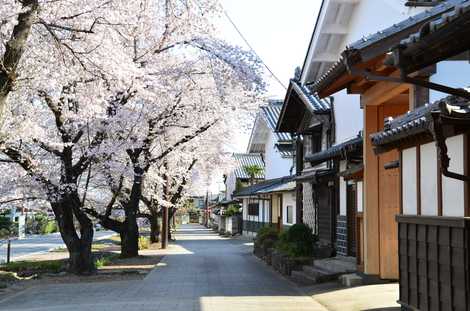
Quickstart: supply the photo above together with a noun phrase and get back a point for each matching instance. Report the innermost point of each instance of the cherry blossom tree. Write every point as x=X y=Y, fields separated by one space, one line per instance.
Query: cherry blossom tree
x=108 y=89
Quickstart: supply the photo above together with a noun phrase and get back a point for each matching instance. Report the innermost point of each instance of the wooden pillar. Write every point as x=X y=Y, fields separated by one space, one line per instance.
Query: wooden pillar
x=299 y=157
x=371 y=194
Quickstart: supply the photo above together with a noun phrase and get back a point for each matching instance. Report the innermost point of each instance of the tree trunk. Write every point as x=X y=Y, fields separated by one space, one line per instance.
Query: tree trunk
x=14 y=49
x=154 y=229
x=79 y=247
x=130 y=232
x=165 y=227
x=171 y=219
x=129 y=242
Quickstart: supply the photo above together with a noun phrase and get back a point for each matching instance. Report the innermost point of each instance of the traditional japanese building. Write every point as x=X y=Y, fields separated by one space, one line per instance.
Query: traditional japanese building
x=270 y=202
x=238 y=178
x=327 y=192
x=396 y=70
x=432 y=141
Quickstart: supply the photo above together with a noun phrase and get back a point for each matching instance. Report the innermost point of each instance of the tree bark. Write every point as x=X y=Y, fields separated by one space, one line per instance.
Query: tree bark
x=130 y=232
x=154 y=229
x=79 y=247
x=14 y=49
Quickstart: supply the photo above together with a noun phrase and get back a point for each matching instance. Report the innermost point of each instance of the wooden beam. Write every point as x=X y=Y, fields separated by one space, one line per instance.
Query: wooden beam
x=382 y=92
x=401 y=99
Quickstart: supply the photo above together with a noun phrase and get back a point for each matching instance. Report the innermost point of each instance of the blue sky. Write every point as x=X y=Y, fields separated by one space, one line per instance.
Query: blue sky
x=278 y=30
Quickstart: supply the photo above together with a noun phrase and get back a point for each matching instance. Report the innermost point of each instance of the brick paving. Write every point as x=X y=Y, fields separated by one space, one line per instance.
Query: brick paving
x=200 y=272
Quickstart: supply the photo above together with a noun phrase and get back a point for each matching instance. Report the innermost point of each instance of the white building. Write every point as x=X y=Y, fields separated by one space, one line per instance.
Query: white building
x=272 y=201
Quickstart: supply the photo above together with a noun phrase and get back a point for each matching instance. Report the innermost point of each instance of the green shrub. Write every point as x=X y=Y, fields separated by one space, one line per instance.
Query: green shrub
x=105 y=260
x=37 y=223
x=50 y=227
x=35 y=266
x=297 y=241
x=144 y=242
x=4 y=233
x=266 y=237
x=232 y=210
x=8 y=228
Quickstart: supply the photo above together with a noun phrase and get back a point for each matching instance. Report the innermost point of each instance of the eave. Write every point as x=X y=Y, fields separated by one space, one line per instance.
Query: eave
x=368 y=54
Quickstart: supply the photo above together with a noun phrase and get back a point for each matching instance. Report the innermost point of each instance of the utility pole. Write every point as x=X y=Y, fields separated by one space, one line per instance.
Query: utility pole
x=164 y=232
x=165 y=224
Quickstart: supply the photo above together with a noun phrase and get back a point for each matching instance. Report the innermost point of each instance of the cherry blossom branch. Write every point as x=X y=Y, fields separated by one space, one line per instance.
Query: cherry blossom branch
x=25 y=162
x=48 y=148
x=20 y=199
x=182 y=141
x=14 y=49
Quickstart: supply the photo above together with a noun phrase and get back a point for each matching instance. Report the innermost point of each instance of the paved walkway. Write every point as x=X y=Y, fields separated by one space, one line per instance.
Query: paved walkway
x=201 y=272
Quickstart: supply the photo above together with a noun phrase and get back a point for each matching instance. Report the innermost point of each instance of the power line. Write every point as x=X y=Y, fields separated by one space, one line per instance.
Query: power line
x=249 y=45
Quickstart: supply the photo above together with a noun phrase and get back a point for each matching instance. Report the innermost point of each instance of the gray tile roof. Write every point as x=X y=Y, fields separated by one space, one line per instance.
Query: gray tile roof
x=299 y=101
x=418 y=122
x=446 y=35
x=313 y=103
x=413 y=123
x=246 y=159
x=423 y=2
x=380 y=42
x=286 y=150
x=263 y=187
x=337 y=151
x=271 y=113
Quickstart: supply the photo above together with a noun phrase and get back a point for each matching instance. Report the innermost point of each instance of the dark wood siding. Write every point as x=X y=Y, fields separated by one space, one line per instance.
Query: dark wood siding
x=351 y=202
x=434 y=262
x=326 y=214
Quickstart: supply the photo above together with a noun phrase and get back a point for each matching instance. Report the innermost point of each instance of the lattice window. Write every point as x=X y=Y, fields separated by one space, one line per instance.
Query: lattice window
x=253 y=209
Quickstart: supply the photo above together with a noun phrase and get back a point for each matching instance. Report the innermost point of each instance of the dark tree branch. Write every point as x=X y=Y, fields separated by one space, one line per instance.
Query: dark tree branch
x=182 y=141
x=26 y=163
x=14 y=49
x=48 y=148
x=21 y=199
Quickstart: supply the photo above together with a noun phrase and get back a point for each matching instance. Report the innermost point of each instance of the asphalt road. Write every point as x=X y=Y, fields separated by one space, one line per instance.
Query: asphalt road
x=35 y=244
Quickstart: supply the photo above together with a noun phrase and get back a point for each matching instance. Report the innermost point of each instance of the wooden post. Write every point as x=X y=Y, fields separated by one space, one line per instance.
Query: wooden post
x=164 y=227
x=8 y=251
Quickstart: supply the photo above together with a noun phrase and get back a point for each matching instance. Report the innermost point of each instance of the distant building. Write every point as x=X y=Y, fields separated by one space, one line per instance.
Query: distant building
x=269 y=202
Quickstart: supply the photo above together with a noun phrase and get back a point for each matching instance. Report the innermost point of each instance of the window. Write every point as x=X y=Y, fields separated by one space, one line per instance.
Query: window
x=315 y=143
x=253 y=209
x=289 y=214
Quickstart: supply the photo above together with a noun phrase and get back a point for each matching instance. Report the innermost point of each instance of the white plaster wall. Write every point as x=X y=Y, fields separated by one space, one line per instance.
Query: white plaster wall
x=450 y=73
x=348 y=116
x=342 y=190
x=388 y=12
x=360 y=196
x=453 y=202
x=288 y=198
x=275 y=165
x=409 y=184
x=308 y=205
x=428 y=172
x=230 y=185
x=265 y=211
x=245 y=209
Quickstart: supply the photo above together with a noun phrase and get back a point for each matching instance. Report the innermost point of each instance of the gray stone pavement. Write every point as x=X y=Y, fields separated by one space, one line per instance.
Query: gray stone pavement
x=200 y=272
